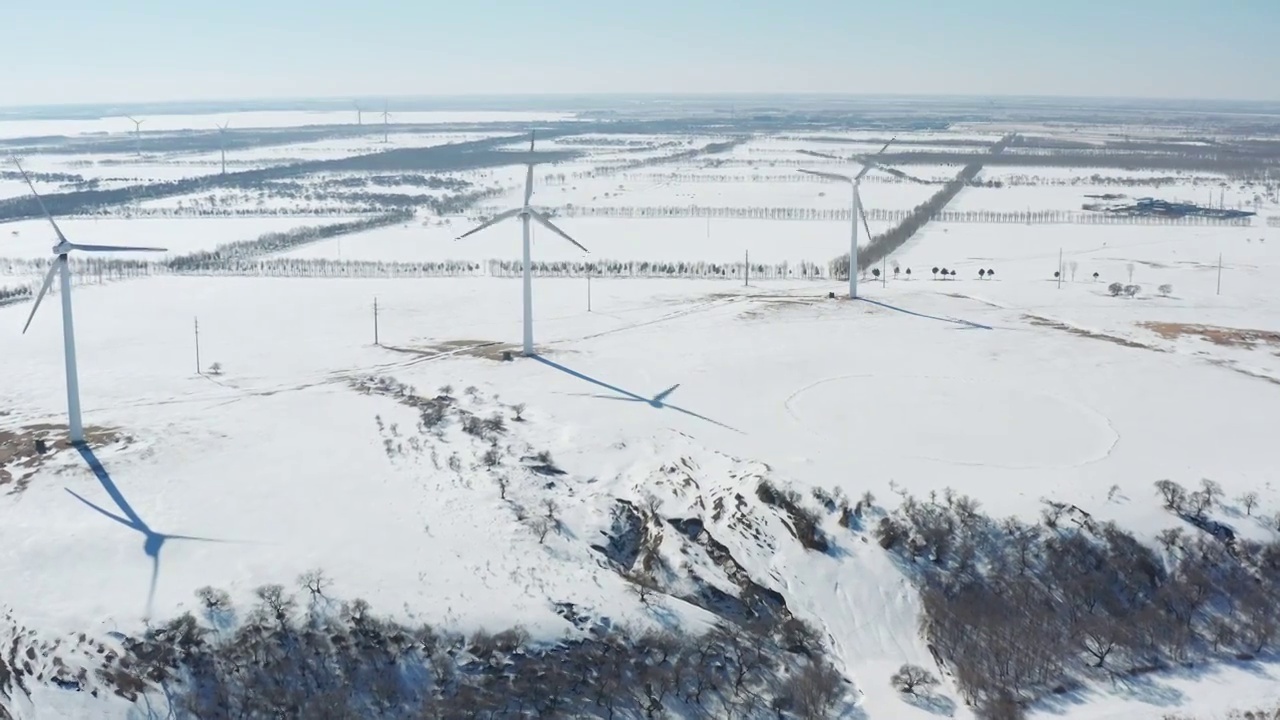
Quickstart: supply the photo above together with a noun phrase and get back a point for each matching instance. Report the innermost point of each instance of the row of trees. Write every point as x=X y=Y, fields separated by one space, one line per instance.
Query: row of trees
x=712 y=148
x=1096 y=179
x=1019 y=217
x=1014 y=610
x=882 y=245
x=236 y=253
x=14 y=294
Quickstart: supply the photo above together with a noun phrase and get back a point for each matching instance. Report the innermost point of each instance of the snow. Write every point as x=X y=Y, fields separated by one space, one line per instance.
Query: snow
x=993 y=388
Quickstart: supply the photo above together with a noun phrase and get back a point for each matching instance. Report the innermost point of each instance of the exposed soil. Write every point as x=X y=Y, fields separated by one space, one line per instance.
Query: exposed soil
x=1058 y=325
x=1229 y=337
x=18 y=456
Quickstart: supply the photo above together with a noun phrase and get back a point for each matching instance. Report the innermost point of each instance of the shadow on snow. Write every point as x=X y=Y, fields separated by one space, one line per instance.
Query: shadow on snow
x=657 y=402
x=153 y=541
x=969 y=325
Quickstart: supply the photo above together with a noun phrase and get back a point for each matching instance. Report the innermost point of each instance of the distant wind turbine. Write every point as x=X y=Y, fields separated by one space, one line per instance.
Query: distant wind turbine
x=386 y=119
x=359 y=113
x=137 y=133
x=856 y=210
x=526 y=214
x=222 y=143
x=62 y=268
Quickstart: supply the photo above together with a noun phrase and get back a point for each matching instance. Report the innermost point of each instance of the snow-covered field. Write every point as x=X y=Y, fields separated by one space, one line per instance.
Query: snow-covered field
x=1010 y=390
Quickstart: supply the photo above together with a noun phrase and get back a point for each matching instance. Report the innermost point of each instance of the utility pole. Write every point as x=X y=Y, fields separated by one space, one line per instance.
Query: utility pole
x=1219 y=292
x=884 y=276
x=746 y=270
x=375 y=320
x=1059 y=268
x=198 y=366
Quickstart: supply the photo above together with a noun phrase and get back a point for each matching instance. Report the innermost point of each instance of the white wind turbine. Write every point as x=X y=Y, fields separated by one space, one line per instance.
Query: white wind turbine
x=62 y=268
x=526 y=214
x=856 y=211
x=222 y=143
x=386 y=120
x=359 y=113
x=137 y=133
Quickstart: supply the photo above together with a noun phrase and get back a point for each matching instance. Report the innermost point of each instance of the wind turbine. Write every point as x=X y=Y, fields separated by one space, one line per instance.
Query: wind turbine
x=62 y=268
x=359 y=113
x=222 y=143
x=137 y=133
x=855 y=211
x=386 y=118
x=527 y=215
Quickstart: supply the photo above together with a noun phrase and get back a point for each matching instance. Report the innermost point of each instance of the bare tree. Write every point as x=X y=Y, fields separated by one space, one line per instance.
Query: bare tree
x=911 y=678
x=541 y=526
x=1173 y=494
x=1248 y=501
x=1115 y=289
x=314 y=582
x=518 y=409
x=1213 y=490
x=1164 y=290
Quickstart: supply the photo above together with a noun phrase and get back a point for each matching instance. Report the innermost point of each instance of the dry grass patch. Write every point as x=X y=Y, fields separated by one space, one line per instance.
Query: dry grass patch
x=1225 y=336
x=19 y=459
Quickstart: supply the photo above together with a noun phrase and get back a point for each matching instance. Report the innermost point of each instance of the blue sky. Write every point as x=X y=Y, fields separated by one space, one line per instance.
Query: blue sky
x=62 y=51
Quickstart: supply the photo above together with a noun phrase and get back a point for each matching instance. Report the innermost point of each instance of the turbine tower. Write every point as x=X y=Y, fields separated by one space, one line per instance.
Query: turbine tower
x=137 y=134
x=527 y=215
x=62 y=268
x=856 y=211
x=359 y=113
x=386 y=118
x=222 y=143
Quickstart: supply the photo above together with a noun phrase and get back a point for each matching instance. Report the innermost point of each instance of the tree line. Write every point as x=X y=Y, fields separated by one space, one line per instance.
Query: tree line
x=900 y=215
x=1014 y=610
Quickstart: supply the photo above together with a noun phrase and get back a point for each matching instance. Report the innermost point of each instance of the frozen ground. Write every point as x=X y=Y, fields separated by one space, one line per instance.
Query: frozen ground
x=833 y=394
x=1010 y=390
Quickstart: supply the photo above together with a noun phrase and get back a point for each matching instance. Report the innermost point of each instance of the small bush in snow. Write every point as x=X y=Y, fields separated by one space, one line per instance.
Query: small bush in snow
x=1165 y=290
x=1115 y=289
x=1132 y=290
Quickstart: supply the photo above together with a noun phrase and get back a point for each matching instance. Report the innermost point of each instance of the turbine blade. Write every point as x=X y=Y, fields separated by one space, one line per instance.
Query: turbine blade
x=863 y=212
x=827 y=175
x=531 y=138
x=48 y=280
x=115 y=248
x=40 y=200
x=492 y=221
x=871 y=161
x=665 y=393
x=542 y=220
x=528 y=185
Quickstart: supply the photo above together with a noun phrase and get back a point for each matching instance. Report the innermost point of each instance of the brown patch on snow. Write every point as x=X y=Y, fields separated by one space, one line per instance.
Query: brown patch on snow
x=19 y=459
x=1229 y=337
x=1059 y=325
